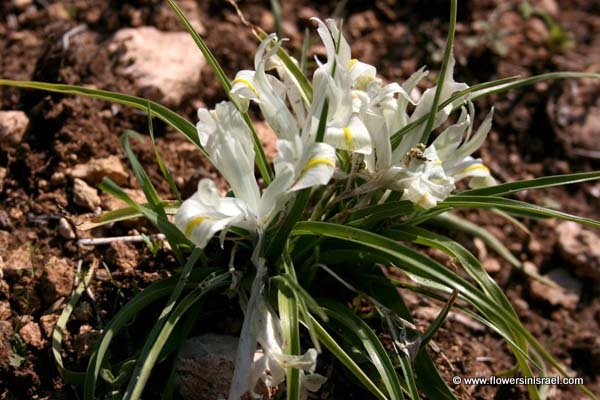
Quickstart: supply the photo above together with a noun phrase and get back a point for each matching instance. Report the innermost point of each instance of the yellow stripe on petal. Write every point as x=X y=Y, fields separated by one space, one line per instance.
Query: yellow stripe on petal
x=246 y=83
x=423 y=199
x=192 y=224
x=348 y=136
x=352 y=62
x=475 y=167
x=318 y=161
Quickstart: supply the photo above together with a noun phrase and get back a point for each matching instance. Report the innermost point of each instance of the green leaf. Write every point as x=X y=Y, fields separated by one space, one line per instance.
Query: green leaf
x=261 y=159
x=141 y=373
x=124 y=214
x=276 y=10
x=368 y=217
x=512 y=206
x=532 y=81
x=301 y=294
x=149 y=355
x=375 y=284
x=409 y=375
x=162 y=112
x=537 y=183
x=420 y=265
x=487 y=88
x=439 y=321
x=173 y=235
x=454 y=223
x=288 y=312
x=71 y=377
x=302 y=298
x=346 y=360
x=443 y=69
x=371 y=343
x=126 y=313
x=161 y=164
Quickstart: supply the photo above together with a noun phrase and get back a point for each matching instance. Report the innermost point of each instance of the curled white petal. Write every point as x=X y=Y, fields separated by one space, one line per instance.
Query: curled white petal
x=205 y=213
x=353 y=137
x=310 y=383
x=243 y=89
x=316 y=166
x=475 y=169
x=270 y=337
x=228 y=142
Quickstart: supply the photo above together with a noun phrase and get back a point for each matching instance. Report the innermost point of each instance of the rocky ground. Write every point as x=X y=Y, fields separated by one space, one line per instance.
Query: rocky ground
x=54 y=149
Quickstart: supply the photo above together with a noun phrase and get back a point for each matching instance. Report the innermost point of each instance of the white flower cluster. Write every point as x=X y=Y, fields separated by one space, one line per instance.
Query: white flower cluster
x=362 y=116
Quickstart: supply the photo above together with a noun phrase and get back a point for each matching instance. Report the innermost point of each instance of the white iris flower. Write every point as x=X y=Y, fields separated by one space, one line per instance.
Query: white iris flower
x=271 y=366
x=227 y=140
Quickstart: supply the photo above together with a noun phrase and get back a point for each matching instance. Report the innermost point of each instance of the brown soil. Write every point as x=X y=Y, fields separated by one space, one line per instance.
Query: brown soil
x=541 y=130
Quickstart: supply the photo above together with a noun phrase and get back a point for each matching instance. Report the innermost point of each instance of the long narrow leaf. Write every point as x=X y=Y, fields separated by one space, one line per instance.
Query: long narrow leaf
x=71 y=377
x=288 y=312
x=504 y=189
x=418 y=264
x=131 y=310
x=487 y=88
x=443 y=69
x=149 y=357
x=141 y=373
x=124 y=214
x=346 y=360
x=161 y=164
x=261 y=158
x=371 y=343
x=512 y=206
x=160 y=111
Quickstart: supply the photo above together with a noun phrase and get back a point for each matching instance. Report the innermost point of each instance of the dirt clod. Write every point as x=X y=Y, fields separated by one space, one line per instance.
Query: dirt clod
x=85 y=196
x=6 y=334
x=56 y=280
x=123 y=254
x=47 y=323
x=32 y=335
x=17 y=262
x=5 y=310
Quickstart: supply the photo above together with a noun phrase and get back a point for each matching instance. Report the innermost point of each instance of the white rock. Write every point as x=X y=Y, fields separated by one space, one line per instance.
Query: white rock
x=581 y=248
x=167 y=64
x=204 y=367
x=94 y=170
x=13 y=125
x=85 y=196
x=565 y=294
x=22 y=4
x=64 y=229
